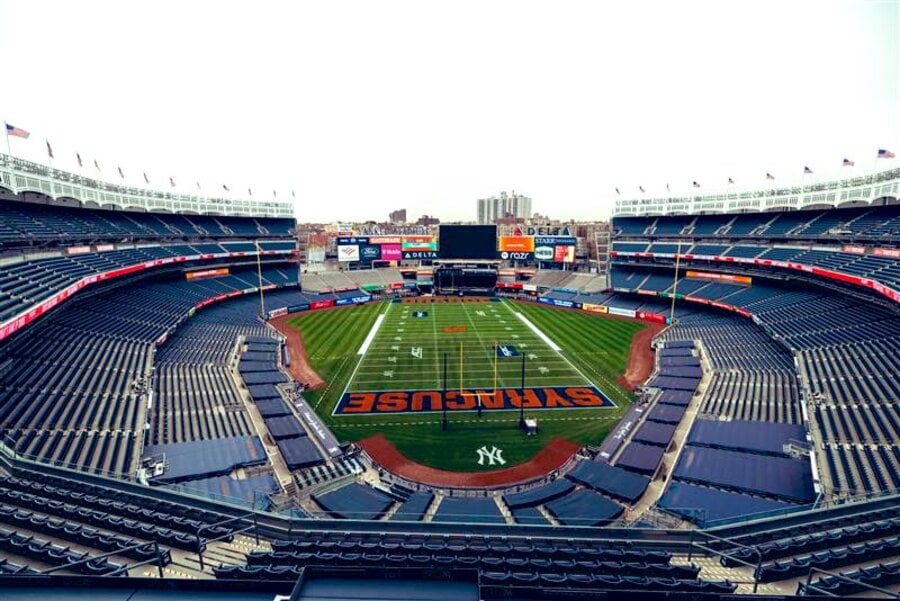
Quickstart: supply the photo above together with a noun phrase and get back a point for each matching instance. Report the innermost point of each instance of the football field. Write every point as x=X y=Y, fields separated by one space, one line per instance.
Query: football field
x=483 y=345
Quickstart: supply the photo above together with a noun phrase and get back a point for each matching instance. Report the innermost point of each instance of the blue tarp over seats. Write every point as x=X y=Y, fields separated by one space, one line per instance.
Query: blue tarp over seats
x=252 y=488
x=655 y=433
x=759 y=437
x=641 y=458
x=263 y=391
x=583 y=508
x=264 y=377
x=255 y=366
x=413 y=508
x=675 y=397
x=269 y=356
x=257 y=347
x=669 y=414
x=539 y=495
x=681 y=371
x=200 y=458
x=263 y=340
x=613 y=481
x=470 y=510
x=676 y=352
x=673 y=383
x=530 y=516
x=284 y=427
x=354 y=502
x=679 y=361
x=673 y=344
x=272 y=408
x=299 y=452
x=760 y=474
x=702 y=504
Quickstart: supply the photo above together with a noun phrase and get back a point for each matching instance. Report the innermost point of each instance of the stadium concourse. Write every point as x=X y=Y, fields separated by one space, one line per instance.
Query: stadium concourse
x=151 y=429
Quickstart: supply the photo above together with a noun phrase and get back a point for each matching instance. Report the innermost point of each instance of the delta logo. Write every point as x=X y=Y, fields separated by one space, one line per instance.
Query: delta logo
x=504 y=399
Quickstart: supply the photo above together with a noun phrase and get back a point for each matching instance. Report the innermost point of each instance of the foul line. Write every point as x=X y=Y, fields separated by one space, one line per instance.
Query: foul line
x=365 y=345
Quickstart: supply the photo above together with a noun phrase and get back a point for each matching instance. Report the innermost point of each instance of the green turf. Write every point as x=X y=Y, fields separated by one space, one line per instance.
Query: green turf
x=594 y=350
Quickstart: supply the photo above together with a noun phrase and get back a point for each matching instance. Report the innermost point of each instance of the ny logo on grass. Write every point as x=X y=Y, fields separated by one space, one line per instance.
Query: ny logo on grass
x=493 y=457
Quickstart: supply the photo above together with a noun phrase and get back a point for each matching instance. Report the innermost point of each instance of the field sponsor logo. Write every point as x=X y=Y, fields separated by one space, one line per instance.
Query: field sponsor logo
x=504 y=399
x=494 y=456
x=348 y=252
x=505 y=350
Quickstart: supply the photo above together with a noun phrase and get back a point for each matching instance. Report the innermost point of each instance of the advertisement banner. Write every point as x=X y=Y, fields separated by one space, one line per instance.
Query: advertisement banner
x=419 y=243
x=720 y=277
x=515 y=256
x=322 y=304
x=564 y=254
x=522 y=244
x=349 y=252
x=391 y=252
x=382 y=240
x=78 y=250
x=654 y=317
x=595 y=308
x=622 y=312
x=206 y=273
x=277 y=312
x=893 y=253
x=509 y=285
x=420 y=254
x=348 y=240
x=369 y=253
x=854 y=250
x=298 y=308
x=529 y=288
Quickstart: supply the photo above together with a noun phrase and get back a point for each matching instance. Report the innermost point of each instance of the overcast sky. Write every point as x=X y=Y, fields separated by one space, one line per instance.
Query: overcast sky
x=363 y=107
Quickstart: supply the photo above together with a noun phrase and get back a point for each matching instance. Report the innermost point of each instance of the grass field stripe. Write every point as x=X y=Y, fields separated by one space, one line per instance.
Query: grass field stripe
x=537 y=332
x=371 y=336
x=477 y=334
x=358 y=363
x=437 y=360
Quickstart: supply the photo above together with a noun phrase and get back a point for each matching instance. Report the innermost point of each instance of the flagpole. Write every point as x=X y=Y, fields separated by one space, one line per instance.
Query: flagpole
x=675 y=282
x=262 y=301
x=8 y=147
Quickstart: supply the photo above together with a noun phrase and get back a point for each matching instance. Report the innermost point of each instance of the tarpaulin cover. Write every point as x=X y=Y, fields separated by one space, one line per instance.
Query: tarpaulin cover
x=675 y=397
x=263 y=340
x=675 y=352
x=354 y=502
x=613 y=481
x=670 y=414
x=676 y=361
x=299 y=452
x=414 y=507
x=530 y=516
x=252 y=488
x=264 y=377
x=641 y=458
x=761 y=474
x=272 y=408
x=260 y=356
x=284 y=427
x=583 y=508
x=263 y=391
x=251 y=366
x=655 y=433
x=262 y=348
x=471 y=510
x=681 y=371
x=539 y=495
x=679 y=344
x=198 y=458
x=761 y=437
x=675 y=383
x=701 y=504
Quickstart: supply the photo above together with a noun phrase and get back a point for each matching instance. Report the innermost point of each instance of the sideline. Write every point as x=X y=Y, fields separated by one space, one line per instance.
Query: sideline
x=368 y=341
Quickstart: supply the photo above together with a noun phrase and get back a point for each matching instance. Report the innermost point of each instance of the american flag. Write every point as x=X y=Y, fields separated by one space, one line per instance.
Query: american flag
x=146 y=179
x=807 y=170
x=617 y=191
x=226 y=188
x=249 y=191
x=696 y=185
x=848 y=163
x=96 y=166
x=122 y=175
x=885 y=154
x=641 y=188
x=730 y=181
x=12 y=130
x=78 y=156
x=49 y=149
x=769 y=176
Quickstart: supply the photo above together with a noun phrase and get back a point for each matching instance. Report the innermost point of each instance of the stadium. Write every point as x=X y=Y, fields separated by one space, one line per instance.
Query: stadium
x=186 y=394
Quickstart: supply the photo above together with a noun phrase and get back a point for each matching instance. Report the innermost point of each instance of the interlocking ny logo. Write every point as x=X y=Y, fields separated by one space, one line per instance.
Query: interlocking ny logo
x=494 y=456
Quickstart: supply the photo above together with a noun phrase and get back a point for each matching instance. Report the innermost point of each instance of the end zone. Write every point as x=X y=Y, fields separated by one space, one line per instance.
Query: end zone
x=504 y=399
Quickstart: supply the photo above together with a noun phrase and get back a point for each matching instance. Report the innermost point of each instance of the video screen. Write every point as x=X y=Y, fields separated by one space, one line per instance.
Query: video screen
x=468 y=241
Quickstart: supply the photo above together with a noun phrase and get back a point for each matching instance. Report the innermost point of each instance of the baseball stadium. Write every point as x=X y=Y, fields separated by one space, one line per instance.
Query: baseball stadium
x=685 y=391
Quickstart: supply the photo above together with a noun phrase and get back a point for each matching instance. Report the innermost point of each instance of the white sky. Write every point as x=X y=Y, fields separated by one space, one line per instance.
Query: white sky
x=363 y=107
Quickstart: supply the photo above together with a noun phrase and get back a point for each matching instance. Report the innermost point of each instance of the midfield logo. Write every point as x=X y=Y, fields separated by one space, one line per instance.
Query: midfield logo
x=493 y=457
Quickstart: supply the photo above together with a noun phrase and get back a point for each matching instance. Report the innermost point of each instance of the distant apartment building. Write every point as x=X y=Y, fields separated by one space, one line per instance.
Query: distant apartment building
x=398 y=216
x=511 y=205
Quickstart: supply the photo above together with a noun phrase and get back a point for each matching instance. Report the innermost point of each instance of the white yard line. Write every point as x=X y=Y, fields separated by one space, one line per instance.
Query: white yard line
x=362 y=355
x=375 y=326
x=437 y=360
